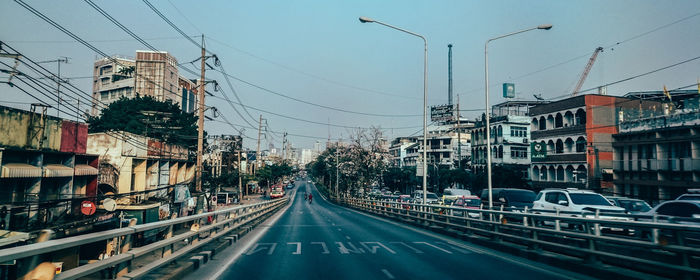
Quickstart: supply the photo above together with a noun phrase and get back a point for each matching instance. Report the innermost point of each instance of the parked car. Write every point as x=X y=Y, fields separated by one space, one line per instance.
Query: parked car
x=631 y=205
x=431 y=197
x=510 y=198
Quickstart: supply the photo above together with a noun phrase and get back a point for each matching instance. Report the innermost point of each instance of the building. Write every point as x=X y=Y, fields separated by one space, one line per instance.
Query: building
x=307 y=156
x=152 y=74
x=397 y=150
x=111 y=81
x=657 y=150
x=443 y=145
x=138 y=167
x=510 y=137
x=222 y=156
x=45 y=173
x=572 y=141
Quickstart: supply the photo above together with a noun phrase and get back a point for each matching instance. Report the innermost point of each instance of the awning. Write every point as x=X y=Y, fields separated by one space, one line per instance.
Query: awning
x=57 y=170
x=85 y=170
x=20 y=170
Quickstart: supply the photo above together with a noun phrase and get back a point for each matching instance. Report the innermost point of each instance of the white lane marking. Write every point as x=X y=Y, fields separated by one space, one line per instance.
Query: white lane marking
x=347 y=237
x=262 y=246
x=431 y=245
x=508 y=258
x=340 y=229
x=409 y=246
x=323 y=245
x=466 y=252
x=373 y=249
x=344 y=250
x=388 y=274
x=298 y=251
x=245 y=245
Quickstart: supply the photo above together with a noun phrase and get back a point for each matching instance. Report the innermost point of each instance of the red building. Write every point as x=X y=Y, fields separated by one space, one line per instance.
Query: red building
x=574 y=137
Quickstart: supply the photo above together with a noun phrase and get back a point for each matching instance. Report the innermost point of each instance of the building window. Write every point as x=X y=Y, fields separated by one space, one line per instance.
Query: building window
x=518 y=152
x=580 y=145
x=518 y=131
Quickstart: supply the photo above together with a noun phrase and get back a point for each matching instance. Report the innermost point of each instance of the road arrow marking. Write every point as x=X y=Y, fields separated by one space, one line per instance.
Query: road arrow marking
x=298 y=251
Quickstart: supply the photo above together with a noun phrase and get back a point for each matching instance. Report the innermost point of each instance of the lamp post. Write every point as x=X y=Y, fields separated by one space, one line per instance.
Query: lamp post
x=425 y=98
x=486 y=85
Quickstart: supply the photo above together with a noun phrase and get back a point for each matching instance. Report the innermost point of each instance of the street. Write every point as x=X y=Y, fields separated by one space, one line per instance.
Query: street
x=325 y=241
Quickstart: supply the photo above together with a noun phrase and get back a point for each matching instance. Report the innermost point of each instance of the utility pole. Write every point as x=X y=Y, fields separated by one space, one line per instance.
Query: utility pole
x=459 y=138
x=240 y=180
x=58 y=61
x=257 y=155
x=284 y=146
x=337 y=167
x=200 y=121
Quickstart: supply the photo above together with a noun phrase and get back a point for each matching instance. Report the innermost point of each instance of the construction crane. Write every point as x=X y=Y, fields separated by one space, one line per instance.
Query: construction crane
x=586 y=70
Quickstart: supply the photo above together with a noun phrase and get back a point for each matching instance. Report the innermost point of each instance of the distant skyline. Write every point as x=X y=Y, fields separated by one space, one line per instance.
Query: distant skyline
x=318 y=52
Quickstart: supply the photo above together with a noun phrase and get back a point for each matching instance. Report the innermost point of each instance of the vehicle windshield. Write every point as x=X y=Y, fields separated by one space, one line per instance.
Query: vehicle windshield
x=589 y=199
x=634 y=205
x=432 y=196
x=472 y=202
x=690 y=197
x=519 y=196
x=449 y=201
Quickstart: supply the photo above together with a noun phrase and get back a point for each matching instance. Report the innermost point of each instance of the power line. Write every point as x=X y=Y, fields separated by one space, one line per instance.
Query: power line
x=309 y=121
x=315 y=104
x=172 y=24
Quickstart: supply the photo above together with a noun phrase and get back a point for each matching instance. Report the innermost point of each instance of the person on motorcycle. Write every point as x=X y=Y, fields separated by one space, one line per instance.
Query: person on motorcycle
x=310 y=198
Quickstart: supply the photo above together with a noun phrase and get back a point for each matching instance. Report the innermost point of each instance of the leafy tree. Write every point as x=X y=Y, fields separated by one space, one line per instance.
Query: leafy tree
x=143 y=115
x=272 y=173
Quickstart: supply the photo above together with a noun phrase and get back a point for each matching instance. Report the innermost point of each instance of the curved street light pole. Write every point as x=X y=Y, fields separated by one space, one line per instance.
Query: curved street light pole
x=487 y=115
x=425 y=99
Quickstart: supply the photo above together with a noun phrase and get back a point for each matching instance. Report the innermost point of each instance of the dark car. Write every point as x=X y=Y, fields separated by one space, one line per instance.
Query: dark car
x=631 y=205
x=509 y=198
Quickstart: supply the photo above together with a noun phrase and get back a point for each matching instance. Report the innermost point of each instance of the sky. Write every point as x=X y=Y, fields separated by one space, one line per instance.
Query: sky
x=317 y=51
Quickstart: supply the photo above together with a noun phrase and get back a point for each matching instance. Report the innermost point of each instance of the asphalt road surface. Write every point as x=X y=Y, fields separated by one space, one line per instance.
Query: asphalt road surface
x=320 y=240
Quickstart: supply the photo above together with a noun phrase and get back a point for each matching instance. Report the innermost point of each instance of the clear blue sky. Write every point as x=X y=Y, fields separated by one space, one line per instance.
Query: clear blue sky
x=319 y=51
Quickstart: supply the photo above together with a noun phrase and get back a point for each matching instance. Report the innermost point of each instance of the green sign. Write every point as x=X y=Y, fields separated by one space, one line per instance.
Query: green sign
x=538 y=150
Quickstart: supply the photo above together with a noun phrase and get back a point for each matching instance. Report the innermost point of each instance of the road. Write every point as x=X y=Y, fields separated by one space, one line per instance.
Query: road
x=324 y=241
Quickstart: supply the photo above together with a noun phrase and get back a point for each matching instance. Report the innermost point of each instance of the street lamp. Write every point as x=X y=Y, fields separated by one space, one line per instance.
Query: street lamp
x=488 y=121
x=425 y=99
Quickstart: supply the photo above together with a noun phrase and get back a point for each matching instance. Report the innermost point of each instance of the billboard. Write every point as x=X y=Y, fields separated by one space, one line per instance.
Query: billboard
x=538 y=150
x=508 y=90
x=441 y=113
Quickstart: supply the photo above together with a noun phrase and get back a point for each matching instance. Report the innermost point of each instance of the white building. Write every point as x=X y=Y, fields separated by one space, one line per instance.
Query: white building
x=510 y=136
x=443 y=145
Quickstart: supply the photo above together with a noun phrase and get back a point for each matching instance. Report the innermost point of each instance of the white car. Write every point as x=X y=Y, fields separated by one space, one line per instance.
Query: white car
x=431 y=198
x=575 y=200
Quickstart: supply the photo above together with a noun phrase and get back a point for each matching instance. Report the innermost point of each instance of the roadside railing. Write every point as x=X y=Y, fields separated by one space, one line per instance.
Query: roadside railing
x=204 y=228
x=636 y=242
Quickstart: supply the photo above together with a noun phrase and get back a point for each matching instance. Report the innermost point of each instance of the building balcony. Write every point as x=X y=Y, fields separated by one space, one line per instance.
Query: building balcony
x=679 y=165
x=568 y=131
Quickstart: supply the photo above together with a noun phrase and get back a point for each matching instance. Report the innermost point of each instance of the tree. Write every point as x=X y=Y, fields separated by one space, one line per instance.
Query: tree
x=161 y=120
x=271 y=173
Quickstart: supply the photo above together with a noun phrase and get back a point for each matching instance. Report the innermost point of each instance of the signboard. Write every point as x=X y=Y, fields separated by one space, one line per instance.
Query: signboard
x=538 y=150
x=441 y=113
x=87 y=207
x=419 y=169
x=508 y=90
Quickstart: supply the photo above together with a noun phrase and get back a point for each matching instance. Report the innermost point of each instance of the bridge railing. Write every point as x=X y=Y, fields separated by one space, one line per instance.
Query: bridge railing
x=640 y=243
x=203 y=228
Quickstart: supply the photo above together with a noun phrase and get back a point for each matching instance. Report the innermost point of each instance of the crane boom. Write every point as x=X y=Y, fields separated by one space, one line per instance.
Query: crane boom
x=586 y=70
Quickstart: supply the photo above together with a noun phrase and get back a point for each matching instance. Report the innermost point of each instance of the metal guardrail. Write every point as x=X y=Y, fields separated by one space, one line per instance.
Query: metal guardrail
x=639 y=243
x=201 y=232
